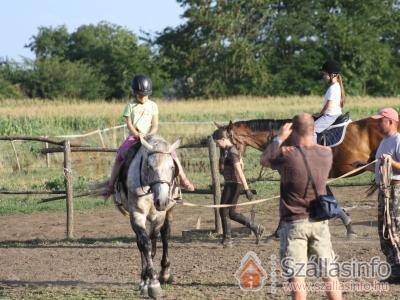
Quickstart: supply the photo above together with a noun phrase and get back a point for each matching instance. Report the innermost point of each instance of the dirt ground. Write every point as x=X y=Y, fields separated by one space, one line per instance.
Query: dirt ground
x=103 y=262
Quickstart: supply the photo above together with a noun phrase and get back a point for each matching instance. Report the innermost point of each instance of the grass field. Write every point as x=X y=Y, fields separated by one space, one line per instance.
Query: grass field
x=51 y=118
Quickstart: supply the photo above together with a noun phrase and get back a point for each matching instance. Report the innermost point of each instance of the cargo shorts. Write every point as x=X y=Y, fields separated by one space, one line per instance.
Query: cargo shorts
x=303 y=240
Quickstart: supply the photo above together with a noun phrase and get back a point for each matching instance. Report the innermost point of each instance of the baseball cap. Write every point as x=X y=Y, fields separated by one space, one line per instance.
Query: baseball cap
x=389 y=113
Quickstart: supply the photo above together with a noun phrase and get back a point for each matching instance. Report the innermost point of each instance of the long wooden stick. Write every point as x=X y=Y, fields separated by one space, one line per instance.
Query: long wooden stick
x=32 y=192
x=64 y=196
x=101 y=139
x=16 y=156
x=99 y=149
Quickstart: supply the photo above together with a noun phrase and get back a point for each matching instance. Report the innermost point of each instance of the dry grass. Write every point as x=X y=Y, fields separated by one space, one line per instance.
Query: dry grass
x=237 y=107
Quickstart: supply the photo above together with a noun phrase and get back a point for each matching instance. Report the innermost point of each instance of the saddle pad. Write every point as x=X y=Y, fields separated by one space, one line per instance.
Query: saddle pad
x=334 y=135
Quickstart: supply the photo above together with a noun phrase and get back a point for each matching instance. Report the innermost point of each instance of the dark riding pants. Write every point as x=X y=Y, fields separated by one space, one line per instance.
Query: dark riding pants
x=230 y=195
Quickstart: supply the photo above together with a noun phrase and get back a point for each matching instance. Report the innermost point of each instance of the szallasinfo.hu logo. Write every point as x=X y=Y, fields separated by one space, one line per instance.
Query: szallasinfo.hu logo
x=355 y=275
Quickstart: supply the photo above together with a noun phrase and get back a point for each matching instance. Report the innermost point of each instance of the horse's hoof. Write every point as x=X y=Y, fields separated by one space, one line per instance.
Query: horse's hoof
x=154 y=289
x=166 y=280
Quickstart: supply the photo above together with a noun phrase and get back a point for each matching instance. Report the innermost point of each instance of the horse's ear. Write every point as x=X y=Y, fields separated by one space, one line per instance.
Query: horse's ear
x=175 y=146
x=218 y=126
x=230 y=126
x=146 y=144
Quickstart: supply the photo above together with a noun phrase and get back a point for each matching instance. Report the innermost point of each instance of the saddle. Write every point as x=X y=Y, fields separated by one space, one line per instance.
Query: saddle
x=334 y=134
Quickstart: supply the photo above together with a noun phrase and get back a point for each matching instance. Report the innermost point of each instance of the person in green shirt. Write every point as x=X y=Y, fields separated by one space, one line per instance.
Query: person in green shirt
x=141 y=117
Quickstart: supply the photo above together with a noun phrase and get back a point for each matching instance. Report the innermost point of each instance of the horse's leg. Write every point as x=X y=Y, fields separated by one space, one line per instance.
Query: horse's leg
x=165 y=275
x=138 y=223
x=153 y=237
x=144 y=281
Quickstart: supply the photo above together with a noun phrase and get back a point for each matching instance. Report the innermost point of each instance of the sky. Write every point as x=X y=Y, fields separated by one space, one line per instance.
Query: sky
x=19 y=19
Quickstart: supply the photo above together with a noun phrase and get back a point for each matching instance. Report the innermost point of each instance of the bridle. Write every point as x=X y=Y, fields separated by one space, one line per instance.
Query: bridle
x=159 y=181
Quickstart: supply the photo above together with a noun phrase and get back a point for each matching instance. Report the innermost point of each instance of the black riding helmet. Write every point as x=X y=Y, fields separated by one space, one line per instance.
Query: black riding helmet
x=141 y=85
x=331 y=67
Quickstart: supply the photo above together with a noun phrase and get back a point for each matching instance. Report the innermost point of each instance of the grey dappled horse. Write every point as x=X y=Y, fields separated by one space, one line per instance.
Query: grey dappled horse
x=150 y=185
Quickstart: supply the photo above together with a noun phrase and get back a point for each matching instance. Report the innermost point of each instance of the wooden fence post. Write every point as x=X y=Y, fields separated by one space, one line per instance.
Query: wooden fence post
x=216 y=187
x=16 y=156
x=69 y=189
x=47 y=154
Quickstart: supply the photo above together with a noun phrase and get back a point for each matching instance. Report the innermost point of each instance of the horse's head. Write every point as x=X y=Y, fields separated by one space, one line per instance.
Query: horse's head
x=226 y=131
x=159 y=169
x=232 y=132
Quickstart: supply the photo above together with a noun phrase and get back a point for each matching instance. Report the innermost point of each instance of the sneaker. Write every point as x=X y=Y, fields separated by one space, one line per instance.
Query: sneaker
x=227 y=243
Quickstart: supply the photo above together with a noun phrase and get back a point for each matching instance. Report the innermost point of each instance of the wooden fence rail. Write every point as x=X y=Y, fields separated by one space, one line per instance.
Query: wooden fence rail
x=67 y=148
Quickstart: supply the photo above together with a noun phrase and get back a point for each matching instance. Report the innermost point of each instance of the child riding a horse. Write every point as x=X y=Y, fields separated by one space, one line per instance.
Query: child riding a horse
x=141 y=117
x=333 y=100
x=231 y=166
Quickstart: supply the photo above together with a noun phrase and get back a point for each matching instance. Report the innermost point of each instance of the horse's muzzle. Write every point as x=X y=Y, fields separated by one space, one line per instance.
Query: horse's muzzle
x=161 y=194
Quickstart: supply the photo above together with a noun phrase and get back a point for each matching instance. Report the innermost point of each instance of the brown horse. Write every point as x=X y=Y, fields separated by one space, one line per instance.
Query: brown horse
x=360 y=142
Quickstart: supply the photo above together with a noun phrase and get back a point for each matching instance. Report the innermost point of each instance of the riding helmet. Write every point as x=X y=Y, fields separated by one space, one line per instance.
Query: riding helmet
x=141 y=85
x=331 y=67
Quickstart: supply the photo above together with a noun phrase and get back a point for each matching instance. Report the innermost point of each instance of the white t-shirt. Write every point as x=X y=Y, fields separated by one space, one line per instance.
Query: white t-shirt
x=333 y=94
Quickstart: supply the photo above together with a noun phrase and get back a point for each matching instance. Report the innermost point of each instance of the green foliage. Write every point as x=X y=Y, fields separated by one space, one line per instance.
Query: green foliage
x=53 y=78
x=109 y=55
x=58 y=184
x=277 y=48
x=9 y=90
x=224 y=48
x=50 y=42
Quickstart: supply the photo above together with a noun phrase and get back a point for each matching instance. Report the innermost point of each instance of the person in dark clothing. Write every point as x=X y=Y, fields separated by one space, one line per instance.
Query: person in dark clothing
x=231 y=167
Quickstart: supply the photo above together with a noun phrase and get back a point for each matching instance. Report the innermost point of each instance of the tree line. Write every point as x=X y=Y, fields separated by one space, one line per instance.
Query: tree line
x=224 y=48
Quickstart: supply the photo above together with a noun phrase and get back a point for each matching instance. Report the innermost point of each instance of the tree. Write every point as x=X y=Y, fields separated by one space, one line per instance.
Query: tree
x=52 y=78
x=218 y=51
x=265 y=47
x=50 y=42
x=112 y=52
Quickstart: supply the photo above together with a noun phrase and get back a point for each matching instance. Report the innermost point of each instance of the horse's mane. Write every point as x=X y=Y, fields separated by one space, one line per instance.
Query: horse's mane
x=263 y=124
x=158 y=142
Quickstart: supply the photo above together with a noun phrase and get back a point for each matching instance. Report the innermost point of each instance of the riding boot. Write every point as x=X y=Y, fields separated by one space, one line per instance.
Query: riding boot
x=350 y=231
x=258 y=231
x=226 y=229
